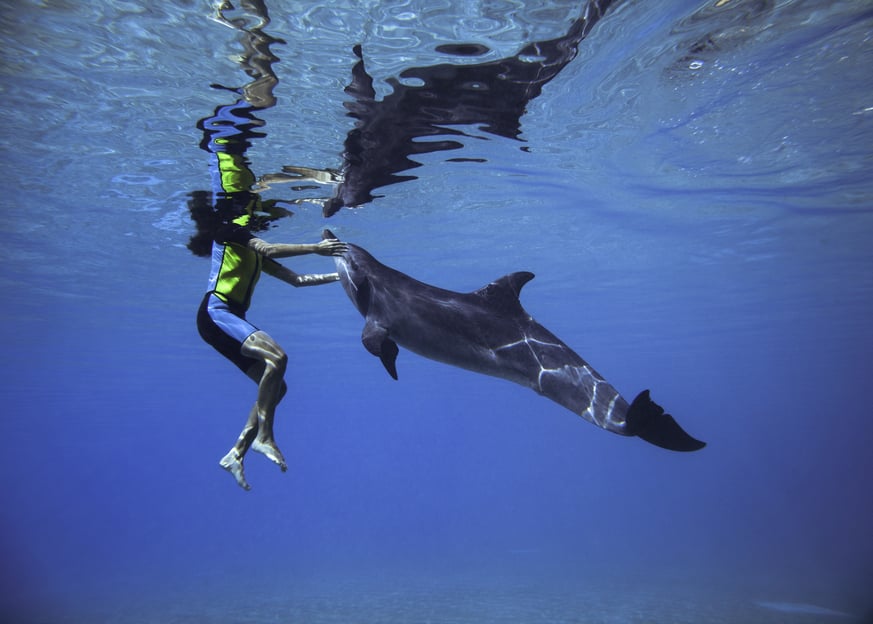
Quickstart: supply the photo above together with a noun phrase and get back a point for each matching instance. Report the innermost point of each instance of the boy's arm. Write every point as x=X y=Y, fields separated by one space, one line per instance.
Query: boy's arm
x=327 y=247
x=295 y=279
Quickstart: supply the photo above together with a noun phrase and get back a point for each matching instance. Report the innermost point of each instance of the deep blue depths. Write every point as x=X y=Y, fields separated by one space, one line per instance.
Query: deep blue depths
x=699 y=222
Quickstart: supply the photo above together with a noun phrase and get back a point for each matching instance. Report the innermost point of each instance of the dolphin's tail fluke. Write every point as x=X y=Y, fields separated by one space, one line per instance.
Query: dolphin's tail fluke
x=647 y=419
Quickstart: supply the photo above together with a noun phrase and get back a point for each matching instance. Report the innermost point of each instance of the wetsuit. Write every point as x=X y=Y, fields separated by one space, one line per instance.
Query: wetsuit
x=235 y=271
x=221 y=319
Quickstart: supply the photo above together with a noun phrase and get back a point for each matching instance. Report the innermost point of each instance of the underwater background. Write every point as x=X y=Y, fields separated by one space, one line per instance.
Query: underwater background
x=689 y=180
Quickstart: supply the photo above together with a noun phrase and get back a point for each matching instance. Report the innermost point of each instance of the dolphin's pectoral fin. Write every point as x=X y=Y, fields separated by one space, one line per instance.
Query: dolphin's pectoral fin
x=373 y=337
x=389 y=357
x=647 y=419
x=377 y=342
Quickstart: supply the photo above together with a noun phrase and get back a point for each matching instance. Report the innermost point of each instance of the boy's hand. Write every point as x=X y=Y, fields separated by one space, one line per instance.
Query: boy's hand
x=331 y=247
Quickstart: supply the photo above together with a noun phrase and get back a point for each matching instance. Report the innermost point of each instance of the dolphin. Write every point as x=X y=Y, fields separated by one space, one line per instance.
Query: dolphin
x=489 y=332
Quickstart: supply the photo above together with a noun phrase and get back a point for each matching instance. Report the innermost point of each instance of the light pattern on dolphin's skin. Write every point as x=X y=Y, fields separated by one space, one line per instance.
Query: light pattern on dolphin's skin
x=592 y=397
x=344 y=267
x=489 y=332
x=581 y=389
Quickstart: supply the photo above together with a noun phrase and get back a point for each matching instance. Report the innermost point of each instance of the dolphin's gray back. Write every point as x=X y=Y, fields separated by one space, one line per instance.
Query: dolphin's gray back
x=488 y=331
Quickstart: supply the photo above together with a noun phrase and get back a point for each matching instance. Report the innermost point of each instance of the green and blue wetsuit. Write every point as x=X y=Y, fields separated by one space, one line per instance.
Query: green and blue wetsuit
x=221 y=319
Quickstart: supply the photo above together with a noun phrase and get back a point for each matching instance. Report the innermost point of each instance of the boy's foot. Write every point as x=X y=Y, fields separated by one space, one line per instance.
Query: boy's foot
x=269 y=448
x=232 y=462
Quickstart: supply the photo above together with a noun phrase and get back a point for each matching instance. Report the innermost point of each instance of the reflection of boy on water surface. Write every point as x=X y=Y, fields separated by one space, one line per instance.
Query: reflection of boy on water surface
x=226 y=230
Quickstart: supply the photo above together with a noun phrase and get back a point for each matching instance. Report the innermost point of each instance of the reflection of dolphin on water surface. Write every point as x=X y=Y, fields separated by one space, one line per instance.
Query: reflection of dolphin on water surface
x=488 y=331
x=491 y=96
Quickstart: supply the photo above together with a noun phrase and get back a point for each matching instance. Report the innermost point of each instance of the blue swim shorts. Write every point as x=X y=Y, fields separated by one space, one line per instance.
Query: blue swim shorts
x=225 y=330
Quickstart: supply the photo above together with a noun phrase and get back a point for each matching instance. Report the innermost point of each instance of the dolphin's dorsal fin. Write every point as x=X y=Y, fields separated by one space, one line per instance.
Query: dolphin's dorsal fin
x=504 y=292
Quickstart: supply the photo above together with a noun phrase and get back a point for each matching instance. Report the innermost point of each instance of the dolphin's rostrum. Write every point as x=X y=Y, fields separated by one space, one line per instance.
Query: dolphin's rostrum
x=488 y=331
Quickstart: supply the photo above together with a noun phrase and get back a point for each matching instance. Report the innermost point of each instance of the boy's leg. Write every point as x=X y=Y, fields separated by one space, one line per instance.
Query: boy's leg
x=260 y=346
x=233 y=461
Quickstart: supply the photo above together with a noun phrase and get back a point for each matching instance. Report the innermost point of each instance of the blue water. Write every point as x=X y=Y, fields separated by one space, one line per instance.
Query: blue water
x=693 y=191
